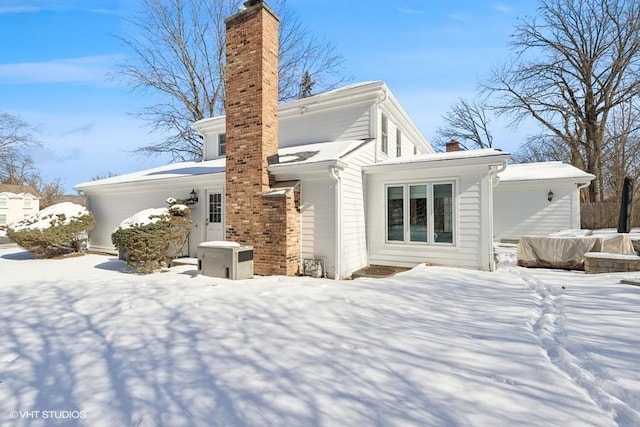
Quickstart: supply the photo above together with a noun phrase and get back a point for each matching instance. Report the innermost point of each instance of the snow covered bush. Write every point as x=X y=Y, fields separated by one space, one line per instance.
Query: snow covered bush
x=56 y=230
x=153 y=236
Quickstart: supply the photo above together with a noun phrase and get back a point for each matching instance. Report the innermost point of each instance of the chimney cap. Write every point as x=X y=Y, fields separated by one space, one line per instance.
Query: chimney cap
x=250 y=3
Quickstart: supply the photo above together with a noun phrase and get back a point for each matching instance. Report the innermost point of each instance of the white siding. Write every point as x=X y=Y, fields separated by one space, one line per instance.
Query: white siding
x=317 y=228
x=347 y=122
x=110 y=208
x=15 y=209
x=523 y=209
x=354 y=228
x=470 y=238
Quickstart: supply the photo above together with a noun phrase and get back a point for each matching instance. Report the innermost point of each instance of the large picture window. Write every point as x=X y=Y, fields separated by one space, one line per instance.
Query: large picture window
x=420 y=213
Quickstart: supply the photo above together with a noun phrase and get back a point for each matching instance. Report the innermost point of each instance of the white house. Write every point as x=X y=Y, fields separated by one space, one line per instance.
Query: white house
x=538 y=199
x=344 y=176
x=16 y=202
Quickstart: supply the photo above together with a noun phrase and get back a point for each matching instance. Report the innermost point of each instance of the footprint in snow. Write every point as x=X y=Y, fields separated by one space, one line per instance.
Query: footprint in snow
x=348 y=301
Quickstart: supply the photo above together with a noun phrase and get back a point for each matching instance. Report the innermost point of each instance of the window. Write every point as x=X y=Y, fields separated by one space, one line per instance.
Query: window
x=3 y=219
x=395 y=214
x=4 y=202
x=215 y=207
x=443 y=213
x=417 y=211
x=27 y=202
x=415 y=150
x=398 y=143
x=222 y=144
x=384 y=135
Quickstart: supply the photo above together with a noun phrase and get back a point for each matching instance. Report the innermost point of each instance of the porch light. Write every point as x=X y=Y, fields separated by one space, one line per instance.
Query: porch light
x=550 y=196
x=193 y=199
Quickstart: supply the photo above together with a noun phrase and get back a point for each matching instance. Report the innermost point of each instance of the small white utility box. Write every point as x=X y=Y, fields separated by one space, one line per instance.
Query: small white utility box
x=228 y=260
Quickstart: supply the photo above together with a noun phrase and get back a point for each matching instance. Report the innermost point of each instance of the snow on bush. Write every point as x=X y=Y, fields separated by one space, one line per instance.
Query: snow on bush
x=56 y=230
x=152 y=237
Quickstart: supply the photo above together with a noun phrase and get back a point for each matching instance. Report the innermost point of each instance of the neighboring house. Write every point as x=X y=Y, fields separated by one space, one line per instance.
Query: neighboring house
x=16 y=202
x=344 y=176
x=538 y=199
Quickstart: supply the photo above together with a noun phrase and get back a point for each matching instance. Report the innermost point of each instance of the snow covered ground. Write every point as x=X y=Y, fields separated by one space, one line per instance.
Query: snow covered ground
x=86 y=342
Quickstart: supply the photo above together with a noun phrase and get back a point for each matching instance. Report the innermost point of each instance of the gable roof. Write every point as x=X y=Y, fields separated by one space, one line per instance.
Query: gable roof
x=300 y=155
x=19 y=190
x=447 y=159
x=544 y=171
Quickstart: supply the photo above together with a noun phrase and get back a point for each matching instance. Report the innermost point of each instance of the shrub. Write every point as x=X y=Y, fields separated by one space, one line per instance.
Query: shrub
x=152 y=237
x=56 y=230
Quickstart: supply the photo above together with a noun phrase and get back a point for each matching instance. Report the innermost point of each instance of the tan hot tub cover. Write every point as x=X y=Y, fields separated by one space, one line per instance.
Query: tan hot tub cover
x=568 y=252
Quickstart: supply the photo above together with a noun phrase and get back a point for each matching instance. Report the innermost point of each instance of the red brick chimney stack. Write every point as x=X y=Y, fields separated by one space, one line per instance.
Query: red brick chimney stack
x=453 y=145
x=270 y=225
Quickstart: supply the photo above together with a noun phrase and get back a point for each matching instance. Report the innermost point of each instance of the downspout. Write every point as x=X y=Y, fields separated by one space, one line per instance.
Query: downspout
x=335 y=176
x=494 y=170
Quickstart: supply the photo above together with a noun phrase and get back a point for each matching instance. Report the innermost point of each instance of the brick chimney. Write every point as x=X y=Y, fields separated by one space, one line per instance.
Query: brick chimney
x=453 y=145
x=269 y=224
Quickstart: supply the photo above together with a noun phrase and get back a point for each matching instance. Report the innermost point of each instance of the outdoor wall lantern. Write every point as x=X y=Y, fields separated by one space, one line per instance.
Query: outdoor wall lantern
x=193 y=199
x=550 y=196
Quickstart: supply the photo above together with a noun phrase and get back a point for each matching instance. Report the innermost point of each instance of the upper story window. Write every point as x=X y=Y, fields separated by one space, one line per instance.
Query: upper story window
x=384 y=134
x=398 y=143
x=222 y=144
x=27 y=202
x=3 y=219
x=4 y=201
x=415 y=150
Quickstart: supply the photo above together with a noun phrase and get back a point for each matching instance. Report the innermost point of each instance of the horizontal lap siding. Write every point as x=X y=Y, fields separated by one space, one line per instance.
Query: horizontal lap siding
x=466 y=252
x=354 y=228
x=110 y=209
x=524 y=210
x=345 y=123
x=317 y=228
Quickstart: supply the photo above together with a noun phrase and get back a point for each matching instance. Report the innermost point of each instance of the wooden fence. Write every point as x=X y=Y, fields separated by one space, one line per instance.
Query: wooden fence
x=605 y=215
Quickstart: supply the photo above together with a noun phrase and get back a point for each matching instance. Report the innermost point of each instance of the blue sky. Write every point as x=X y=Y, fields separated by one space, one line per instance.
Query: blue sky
x=56 y=55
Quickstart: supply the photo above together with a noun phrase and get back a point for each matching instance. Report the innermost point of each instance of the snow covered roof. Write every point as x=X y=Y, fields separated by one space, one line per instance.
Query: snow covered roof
x=464 y=157
x=173 y=170
x=18 y=190
x=298 y=155
x=544 y=171
x=315 y=153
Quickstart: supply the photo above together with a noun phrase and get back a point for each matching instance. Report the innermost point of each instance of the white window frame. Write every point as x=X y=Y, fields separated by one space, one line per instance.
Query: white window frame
x=398 y=142
x=384 y=133
x=4 y=201
x=3 y=219
x=222 y=151
x=27 y=202
x=430 y=213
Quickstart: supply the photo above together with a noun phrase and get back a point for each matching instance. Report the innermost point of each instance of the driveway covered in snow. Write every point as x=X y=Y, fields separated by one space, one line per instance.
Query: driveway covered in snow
x=89 y=343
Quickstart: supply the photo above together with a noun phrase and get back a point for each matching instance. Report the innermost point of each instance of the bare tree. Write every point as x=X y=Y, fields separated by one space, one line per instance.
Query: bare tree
x=16 y=136
x=178 y=53
x=16 y=165
x=575 y=62
x=621 y=155
x=542 y=148
x=468 y=123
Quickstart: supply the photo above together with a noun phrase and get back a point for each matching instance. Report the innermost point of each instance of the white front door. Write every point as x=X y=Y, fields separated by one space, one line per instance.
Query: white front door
x=215 y=215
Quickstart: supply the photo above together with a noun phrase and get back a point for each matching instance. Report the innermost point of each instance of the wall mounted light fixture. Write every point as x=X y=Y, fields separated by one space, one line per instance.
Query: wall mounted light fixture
x=193 y=199
x=550 y=196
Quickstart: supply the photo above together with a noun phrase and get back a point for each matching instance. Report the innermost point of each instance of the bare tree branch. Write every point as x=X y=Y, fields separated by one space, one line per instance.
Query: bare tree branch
x=178 y=53
x=575 y=63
